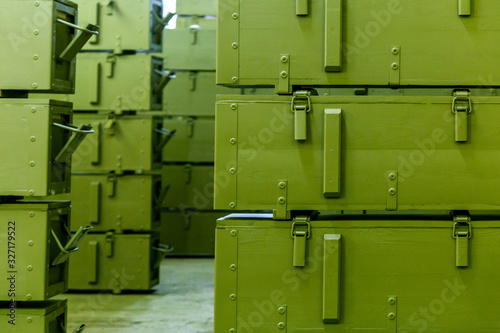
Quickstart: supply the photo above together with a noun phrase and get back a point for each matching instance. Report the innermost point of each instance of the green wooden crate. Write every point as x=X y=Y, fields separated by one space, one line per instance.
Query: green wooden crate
x=44 y=317
x=124 y=25
x=331 y=42
x=190 y=186
x=36 y=156
x=193 y=141
x=109 y=261
x=189 y=48
x=192 y=93
x=335 y=274
x=119 y=143
x=356 y=152
x=110 y=202
x=189 y=232
x=30 y=250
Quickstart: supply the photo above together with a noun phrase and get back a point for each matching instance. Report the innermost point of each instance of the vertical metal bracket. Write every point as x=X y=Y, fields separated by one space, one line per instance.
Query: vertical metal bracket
x=192 y=77
x=464 y=7
x=281 y=212
x=301 y=231
x=92 y=271
x=188 y=170
x=94 y=202
x=461 y=108
x=110 y=124
x=284 y=86
x=109 y=244
x=190 y=125
x=331 y=278
x=302 y=7
x=111 y=184
x=301 y=106
x=392 y=314
x=281 y=315
x=462 y=231
x=194 y=33
x=392 y=190
x=332 y=153
x=395 y=76
x=110 y=65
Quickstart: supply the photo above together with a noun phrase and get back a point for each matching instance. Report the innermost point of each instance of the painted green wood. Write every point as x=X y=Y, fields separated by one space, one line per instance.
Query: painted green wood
x=193 y=141
x=190 y=232
x=413 y=136
x=44 y=317
x=120 y=143
x=192 y=93
x=31 y=44
x=124 y=25
x=389 y=265
x=434 y=43
x=116 y=83
x=32 y=246
x=29 y=167
x=123 y=262
x=197 y=7
x=189 y=48
x=120 y=203
x=190 y=186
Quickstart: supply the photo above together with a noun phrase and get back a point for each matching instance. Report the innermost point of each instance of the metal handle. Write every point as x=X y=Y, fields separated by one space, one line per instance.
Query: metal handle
x=165 y=78
x=79 y=133
x=163 y=248
x=79 y=41
x=77 y=27
x=159 y=199
x=71 y=246
x=162 y=21
x=168 y=135
x=333 y=35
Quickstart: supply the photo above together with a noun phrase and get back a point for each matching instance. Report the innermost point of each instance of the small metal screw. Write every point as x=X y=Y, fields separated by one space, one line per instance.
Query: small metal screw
x=30 y=268
x=34 y=85
x=392 y=191
x=29 y=320
x=392 y=301
x=35 y=56
x=234 y=233
x=32 y=139
x=284 y=74
x=395 y=50
x=281 y=325
x=235 y=16
x=32 y=163
x=232 y=171
x=281 y=200
x=493 y=90
x=232 y=297
x=391 y=316
x=394 y=66
x=33 y=110
x=282 y=184
x=281 y=310
x=32 y=213
x=233 y=267
x=392 y=176
x=235 y=45
x=232 y=330
x=234 y=106
x=37 y=3
x=232 y=205
x=234 y=79
x=31 y=192
x=284 y=59
x=233 y=141
x=36 y=32
x=30 y=243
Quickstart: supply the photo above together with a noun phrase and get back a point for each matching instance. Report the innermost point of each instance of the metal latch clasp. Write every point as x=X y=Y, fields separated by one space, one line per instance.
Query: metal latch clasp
x=461 y=107
x=462 y=231
x=300 y=106
x=301 y=231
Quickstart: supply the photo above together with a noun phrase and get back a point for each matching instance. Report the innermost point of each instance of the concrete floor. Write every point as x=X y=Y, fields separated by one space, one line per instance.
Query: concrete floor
x=181 y=303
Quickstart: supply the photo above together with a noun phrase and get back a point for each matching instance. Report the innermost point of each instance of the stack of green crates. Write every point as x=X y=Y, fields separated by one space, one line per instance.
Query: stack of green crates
x=188 y=219
x=408 y=129
x=39 y=44
x=119 y=86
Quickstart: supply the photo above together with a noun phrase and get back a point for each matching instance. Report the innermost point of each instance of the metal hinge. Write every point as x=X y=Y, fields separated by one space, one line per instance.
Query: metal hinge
x=301 y=231
x=111 y=184
x=110 y=65
x=300 y=106
x=109 y=242
x=110 y=124
x=461 y=108
x=462 y=231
